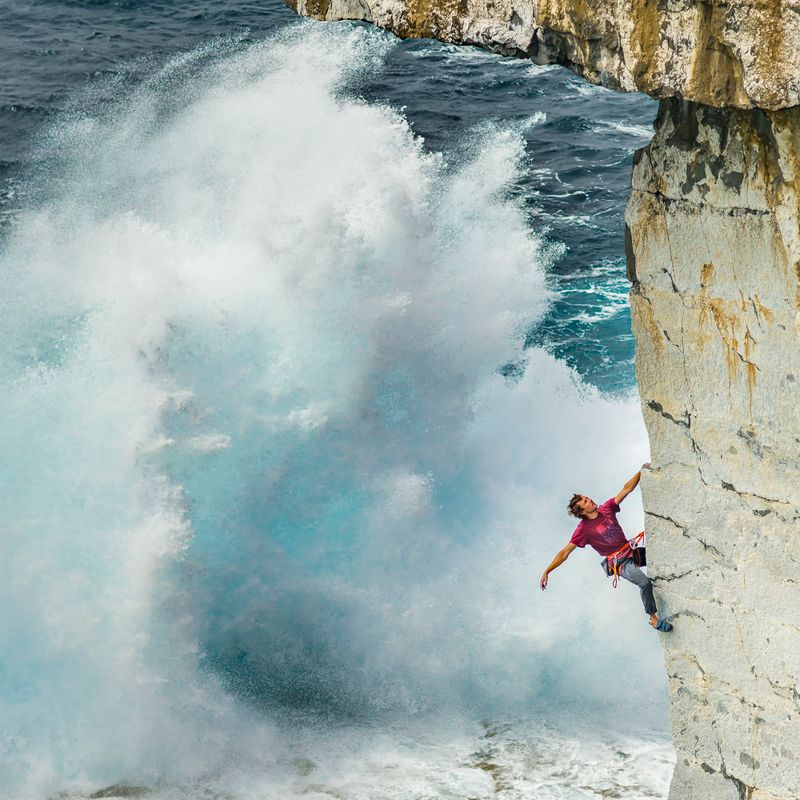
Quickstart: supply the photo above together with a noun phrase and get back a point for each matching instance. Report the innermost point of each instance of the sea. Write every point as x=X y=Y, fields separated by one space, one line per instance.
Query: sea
x=307 y=336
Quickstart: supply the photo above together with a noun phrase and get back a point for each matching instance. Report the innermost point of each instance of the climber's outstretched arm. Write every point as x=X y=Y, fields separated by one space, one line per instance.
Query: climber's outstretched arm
x=561 y=556
x=628 y=488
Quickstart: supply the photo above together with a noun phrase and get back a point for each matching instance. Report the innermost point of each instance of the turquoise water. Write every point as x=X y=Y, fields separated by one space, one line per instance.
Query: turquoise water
x=308 y=336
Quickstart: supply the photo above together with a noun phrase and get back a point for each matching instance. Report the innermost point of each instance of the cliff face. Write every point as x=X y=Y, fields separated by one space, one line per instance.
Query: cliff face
x=713 y=245
x=740 y=53
x=714 y=254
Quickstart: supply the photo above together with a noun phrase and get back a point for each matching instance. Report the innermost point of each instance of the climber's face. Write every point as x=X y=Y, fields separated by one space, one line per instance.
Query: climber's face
x=586 y=505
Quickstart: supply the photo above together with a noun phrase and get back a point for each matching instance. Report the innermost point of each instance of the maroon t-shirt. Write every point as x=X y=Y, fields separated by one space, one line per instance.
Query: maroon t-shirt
x=603 y=533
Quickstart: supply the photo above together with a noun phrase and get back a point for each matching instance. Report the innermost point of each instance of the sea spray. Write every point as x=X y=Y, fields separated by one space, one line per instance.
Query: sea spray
x=261 y=452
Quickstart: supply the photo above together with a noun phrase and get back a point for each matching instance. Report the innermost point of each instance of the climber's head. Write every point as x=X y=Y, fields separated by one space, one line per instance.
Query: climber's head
x=581 y=505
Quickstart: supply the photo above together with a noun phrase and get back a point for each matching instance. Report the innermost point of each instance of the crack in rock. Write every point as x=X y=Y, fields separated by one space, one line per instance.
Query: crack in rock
x=659 y=409
x=685 y=532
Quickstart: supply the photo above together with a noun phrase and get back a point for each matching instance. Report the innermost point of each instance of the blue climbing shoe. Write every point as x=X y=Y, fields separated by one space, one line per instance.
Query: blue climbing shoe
x=663 y=626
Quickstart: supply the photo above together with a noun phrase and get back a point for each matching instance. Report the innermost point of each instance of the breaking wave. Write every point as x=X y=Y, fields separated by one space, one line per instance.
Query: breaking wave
x=263 y=453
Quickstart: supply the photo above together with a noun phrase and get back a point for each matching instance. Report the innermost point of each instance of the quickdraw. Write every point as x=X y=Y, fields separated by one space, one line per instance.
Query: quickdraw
x=626 y=551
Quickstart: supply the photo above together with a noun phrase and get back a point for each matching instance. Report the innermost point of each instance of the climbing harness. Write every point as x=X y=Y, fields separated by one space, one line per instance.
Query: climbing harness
x=626 y=551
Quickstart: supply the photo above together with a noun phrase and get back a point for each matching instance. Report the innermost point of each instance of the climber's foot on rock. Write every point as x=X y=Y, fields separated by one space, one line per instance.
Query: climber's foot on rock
x=660 y=624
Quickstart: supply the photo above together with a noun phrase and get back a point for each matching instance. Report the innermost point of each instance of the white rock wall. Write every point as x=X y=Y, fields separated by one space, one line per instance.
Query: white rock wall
x=714 y=250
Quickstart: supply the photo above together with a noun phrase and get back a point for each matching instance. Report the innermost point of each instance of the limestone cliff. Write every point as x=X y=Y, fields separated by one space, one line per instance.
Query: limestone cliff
x=714 y=252
x=713 y=244
x=741 y=53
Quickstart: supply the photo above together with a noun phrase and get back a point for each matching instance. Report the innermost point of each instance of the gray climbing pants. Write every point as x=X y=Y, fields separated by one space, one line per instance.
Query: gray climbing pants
x=632 y=573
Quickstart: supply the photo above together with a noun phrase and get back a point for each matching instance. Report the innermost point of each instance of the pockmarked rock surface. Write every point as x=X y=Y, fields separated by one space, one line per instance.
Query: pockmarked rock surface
x=741 y=53
x=713 y=245
x=714 y=254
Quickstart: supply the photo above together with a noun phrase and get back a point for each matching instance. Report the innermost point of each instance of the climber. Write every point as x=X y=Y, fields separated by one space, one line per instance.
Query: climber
x=599 y=528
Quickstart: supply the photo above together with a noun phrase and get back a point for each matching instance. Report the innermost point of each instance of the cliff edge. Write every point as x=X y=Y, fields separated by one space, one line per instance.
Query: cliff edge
x=738 y=53
x=713 y=249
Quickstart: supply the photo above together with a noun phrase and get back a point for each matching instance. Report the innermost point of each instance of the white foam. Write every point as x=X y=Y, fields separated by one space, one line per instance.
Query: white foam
x=252 y=264
x=642 y=131
x=210 y=442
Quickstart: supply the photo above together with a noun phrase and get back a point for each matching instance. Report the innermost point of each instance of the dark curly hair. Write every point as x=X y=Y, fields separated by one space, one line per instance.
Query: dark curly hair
x=572 y=508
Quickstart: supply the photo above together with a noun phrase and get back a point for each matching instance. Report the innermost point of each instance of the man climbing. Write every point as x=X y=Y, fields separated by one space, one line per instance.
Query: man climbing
x=599 y=528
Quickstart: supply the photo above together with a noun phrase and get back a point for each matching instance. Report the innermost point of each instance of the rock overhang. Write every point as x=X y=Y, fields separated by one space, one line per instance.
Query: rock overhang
x=739 y=53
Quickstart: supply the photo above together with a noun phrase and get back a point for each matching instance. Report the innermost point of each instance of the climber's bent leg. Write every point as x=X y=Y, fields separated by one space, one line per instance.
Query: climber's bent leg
x=632 y=573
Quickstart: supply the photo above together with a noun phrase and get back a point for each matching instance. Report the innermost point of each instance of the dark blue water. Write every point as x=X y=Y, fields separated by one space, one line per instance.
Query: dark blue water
x=580 y=158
